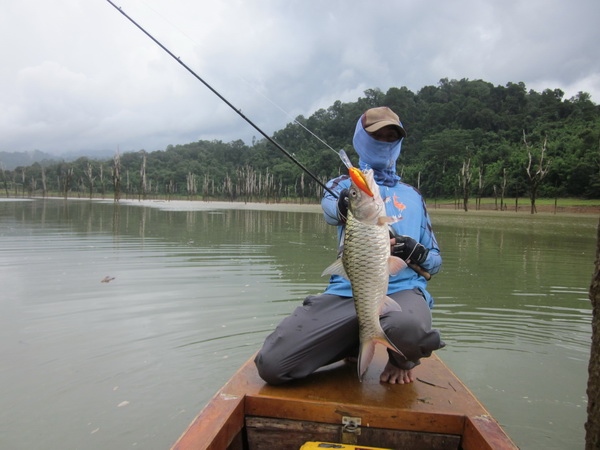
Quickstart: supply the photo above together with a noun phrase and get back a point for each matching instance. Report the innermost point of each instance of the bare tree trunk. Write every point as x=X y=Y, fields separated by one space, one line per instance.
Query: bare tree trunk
x=23 y=181
x=143 y=181
x=536 y=174
x=302 y=187
x=32 y=186
x=192 y=185
x=205 y=187
x=102 y=186
x=90 y=176
x=592 y=426
x=170 y=189
x=495 y=197
x=44 y=186
x=503 y=189
x=480 y=187
x=5 y=181
x=116 y=177
x=68 y=176
x=465 y=181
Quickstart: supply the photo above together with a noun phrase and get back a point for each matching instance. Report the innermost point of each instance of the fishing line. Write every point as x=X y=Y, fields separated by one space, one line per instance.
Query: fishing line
x=341 y=153
x=239 y=112
x=248 y=83
x=289 y=116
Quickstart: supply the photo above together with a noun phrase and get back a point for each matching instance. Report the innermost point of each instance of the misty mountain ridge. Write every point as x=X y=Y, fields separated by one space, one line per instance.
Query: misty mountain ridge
x=12 y=160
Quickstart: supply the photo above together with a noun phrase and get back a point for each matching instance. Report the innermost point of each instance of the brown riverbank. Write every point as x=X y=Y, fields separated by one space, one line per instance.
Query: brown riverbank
x=522 y=208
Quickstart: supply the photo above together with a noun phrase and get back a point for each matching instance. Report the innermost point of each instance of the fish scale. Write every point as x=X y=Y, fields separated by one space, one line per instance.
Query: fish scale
x=366 y=262
x=365 y=259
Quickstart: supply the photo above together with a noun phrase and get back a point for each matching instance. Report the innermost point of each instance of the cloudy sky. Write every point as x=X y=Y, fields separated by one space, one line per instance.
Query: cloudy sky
x=77 y=75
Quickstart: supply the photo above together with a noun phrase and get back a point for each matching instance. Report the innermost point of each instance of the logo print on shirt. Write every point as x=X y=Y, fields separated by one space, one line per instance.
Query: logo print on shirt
x=399 y=206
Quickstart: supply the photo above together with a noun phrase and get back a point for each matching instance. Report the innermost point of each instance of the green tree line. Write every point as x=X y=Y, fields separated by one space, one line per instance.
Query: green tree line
x=466 y=138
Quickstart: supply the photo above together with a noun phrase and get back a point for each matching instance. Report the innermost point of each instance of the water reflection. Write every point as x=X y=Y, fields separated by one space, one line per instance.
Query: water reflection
x=512 y=302
x=131 y=361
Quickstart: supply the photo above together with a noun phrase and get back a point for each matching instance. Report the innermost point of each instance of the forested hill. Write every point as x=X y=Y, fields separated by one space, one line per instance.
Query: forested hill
x=464 y=136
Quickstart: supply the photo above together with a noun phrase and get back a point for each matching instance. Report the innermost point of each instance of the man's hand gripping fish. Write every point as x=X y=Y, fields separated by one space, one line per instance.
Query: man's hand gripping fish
x=366 y=261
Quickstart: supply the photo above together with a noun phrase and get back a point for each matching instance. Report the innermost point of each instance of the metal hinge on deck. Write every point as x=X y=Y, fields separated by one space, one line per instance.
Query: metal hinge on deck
x=350 y=429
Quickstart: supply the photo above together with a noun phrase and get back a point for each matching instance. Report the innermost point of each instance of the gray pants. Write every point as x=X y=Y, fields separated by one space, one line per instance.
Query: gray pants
x=325 y=330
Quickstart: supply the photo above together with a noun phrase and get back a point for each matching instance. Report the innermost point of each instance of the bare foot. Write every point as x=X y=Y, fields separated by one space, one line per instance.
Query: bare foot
x=393 y=375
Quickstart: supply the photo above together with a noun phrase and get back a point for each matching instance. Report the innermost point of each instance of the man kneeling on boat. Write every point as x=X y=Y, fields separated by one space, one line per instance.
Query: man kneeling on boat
x=325 y=329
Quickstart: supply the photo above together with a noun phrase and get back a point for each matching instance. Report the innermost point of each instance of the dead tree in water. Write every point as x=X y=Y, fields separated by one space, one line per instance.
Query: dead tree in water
x=503 y=189
x=67 y=177
x=23 y=181
x=465 y=182
x=101 y=177
x=143 y=181
x=192 y=184
x=44 y=185
x=535 y=172
x=116 y=175
x=90 y=176
x=480 y=187
x=4 y=180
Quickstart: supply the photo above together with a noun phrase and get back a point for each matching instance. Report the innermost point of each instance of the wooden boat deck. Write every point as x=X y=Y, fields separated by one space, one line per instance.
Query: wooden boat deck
x=438 y=405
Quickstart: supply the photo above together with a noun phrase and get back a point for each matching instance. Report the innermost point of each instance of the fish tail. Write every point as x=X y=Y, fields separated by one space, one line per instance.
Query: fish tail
x=365 y=356
x=367 y=351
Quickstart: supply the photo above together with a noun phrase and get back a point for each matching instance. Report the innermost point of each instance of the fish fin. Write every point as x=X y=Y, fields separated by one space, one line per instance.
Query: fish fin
x=365 y=356
x=384 y=220
x=383 y=339
x=395 y=265
x=389 y=304
x=340 y=251
x=337 y=268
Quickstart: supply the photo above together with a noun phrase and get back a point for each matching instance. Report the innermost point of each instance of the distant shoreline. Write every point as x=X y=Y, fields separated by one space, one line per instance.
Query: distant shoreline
x=200 y=205
x=524 y=207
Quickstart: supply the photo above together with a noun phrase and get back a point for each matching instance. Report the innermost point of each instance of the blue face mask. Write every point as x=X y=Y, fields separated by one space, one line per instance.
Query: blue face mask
x=377 y=155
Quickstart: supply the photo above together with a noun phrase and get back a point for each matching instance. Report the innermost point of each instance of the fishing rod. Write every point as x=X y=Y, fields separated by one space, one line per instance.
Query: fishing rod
x=342 y=153
x=214 y=91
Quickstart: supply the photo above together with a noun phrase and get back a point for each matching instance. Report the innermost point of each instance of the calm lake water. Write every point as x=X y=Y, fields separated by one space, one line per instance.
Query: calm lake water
x=195 y=288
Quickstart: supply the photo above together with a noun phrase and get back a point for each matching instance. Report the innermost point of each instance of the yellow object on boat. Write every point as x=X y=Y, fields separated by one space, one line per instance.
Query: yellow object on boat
x=322 y=445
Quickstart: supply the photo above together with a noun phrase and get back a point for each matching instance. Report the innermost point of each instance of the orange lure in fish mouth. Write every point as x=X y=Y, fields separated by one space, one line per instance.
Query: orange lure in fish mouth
x=358 y=178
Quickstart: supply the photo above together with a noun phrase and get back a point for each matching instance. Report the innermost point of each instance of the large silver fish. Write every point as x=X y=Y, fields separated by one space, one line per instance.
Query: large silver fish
x=366 y=261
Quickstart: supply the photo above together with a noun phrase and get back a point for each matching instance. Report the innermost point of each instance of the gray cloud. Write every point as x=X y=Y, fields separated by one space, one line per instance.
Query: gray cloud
x=77 y=75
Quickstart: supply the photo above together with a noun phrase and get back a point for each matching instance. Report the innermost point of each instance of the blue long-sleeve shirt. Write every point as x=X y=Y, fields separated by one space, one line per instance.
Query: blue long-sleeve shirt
x=401 y=200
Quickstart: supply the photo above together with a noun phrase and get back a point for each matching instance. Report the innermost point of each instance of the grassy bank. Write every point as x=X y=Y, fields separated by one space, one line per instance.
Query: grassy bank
x=522 y=204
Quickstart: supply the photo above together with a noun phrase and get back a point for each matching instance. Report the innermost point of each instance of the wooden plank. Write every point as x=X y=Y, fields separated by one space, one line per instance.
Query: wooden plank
x=238 y=442
x=371 y=415
x=217 y=425
x=484 y=433
x=408 y=439
x=437 y=389
x=266 y=433
x=438 y=403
